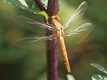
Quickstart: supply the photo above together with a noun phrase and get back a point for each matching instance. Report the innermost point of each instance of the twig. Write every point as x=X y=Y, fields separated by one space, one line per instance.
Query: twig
x=52 y=47
x=40 y=5
x=52 y=8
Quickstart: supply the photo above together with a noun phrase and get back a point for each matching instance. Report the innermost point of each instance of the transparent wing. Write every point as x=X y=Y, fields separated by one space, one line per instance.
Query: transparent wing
x=76 y=17
x=30 y=24
x=33 y=43
x=78 y=34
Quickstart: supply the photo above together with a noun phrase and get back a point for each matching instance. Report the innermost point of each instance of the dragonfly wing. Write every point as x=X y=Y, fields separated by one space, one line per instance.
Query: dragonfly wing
x=30 y=24
x=78 y=34
x=32 y=43
x=77 y=15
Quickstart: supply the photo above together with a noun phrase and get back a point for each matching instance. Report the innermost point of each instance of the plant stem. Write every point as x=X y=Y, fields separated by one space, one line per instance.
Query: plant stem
x=40 y=5
x=52 y=60
x=52 y=47
x=52 y=8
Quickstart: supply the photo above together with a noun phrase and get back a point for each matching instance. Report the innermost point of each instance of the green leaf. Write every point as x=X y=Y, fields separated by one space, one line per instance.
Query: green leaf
x=11 y=1
x=35 y=8
x=23 y=2
x=19 y=3
x=99 y=77
x=44 y=14
x=30 y=3
x=99 y=67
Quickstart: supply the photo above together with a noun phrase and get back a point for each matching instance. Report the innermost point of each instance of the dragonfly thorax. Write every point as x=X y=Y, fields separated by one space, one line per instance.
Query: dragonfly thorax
x=57 y=25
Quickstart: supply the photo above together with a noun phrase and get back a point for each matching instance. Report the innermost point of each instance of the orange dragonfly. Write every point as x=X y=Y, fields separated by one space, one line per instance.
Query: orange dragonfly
x=76 y=33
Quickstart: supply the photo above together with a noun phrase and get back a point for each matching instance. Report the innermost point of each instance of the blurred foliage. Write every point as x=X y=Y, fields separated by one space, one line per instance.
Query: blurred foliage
x=98 y=76
x=23 y=64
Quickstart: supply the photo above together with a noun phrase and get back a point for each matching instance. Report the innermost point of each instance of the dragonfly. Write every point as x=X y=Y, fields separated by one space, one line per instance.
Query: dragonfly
x=61 y=32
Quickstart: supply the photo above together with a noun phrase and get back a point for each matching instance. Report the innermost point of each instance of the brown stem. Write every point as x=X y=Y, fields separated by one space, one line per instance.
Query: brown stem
x=52 y=53
x=40 y=5
x=52 y=8
x=52 y=47
x=52 y=60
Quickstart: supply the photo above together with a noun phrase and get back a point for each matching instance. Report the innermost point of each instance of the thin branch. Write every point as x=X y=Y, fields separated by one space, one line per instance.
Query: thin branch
x=52 y=60
x=40 y=5
x=52 y=8
x=52 y=46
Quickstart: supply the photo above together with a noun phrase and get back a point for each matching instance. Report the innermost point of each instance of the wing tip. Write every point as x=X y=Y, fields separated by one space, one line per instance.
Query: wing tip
x=84 y=4
x=90 y=24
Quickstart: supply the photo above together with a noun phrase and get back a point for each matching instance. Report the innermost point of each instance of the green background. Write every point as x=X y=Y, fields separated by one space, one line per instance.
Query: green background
x=23 y=64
